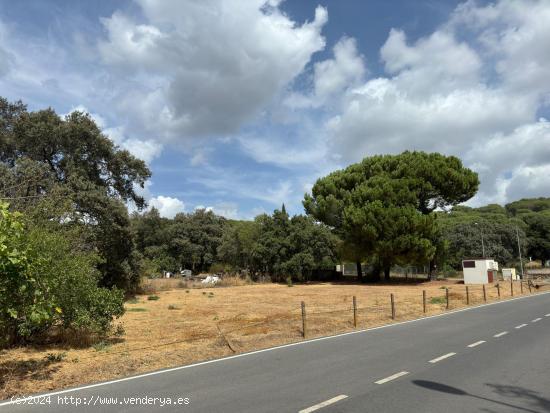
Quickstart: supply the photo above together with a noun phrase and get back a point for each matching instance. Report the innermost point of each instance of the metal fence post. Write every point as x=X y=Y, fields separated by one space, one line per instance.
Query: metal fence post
x=424 y=300
x=529 y=285
x=354 y=312
x=498 y=289
x=484 y=294
x=467 y=296
x=392 y=306
x=521 y=286
x=511 y=287
x=447 y=297
x=304 y=325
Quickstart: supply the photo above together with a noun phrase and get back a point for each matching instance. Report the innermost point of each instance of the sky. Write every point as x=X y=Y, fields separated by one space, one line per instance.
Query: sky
x=240 y=105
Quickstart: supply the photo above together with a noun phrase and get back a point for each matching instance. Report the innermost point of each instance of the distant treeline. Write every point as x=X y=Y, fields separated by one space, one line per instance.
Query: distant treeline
x=271 y=245
x=280 y=246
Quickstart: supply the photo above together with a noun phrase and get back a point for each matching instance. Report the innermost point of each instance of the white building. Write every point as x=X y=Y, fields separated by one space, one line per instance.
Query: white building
x=479 y=270
x=509 y=274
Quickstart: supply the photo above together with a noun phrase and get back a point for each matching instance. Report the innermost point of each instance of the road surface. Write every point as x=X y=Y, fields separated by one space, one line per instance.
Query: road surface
x=493 y=358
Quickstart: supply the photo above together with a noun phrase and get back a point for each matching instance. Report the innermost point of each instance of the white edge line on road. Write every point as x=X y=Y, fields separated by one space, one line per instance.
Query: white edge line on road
x=477 y=343
x=536 y=319
x=443 y=357
x=521 y=326
x=501 y=334
x=392 y=377
x=298 y=343
x=547 y=315
x=324 y=404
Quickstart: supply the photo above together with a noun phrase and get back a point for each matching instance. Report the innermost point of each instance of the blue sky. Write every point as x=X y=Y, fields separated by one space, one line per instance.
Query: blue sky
x=240 y=106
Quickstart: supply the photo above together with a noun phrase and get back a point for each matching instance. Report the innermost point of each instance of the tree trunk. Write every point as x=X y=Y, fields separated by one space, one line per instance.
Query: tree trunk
x=432 y=276
x=386 y=272
x=374 y=276
x=359 y=271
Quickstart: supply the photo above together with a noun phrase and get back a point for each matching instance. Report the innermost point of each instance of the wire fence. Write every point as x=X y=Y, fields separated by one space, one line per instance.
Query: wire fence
x=239 y=333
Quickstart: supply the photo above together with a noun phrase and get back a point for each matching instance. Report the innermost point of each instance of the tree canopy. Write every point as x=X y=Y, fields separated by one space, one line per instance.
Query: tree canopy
x=67 y=170
x=383 y=204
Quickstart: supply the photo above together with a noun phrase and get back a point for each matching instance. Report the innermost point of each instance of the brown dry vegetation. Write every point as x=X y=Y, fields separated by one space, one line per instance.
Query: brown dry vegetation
x=188 y=325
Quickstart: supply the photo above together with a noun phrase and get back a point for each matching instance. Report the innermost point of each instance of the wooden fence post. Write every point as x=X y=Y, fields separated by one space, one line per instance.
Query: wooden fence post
x=447 y=297
x=392 y=306
x=498 y=289
x=304 y=325
x=424 y=300
x=521 y=286
x=467 y=296
x=354 y=312
x=529 y=285
x=511 y=287
x=484 y=294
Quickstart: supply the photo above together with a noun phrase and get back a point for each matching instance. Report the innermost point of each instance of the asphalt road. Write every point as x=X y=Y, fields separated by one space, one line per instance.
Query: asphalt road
x=467 y=361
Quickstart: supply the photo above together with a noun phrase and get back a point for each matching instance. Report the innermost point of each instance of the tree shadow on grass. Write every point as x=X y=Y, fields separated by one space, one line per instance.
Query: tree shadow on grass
x=27 y=370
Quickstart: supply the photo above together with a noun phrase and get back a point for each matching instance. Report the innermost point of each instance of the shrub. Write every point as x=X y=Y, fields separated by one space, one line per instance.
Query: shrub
x=153 y=298
x=173 y=307
x=438 y=300
x=137 y=310
x=48 y=282
x=55 y=357
x=289 y=282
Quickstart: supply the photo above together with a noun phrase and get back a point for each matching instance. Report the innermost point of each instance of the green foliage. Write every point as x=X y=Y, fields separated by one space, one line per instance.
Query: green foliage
x=47 y=282
x=463 y=228
x=67 y=171
x=528 y=205
x=295 y=247
x=383 y=205
x=538 y=234
x=153 y=298
x=438 y=300
x=137 y=310
x=55 y=357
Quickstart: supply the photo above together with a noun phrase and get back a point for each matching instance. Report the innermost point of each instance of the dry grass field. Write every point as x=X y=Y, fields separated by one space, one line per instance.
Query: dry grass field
x=187 y=325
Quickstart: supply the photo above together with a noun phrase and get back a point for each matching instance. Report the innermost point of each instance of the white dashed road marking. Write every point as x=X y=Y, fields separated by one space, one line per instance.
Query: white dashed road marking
x=521 y=326
x=392 y=377
x=477 y=343
x=501 y=334
x=323 y=404
x=547 y=315
x=536 y=319
x=443 y=357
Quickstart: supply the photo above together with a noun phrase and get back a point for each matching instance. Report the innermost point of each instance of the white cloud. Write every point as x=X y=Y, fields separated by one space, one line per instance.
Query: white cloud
x=144 y=149
x=477 y=99
x=207 y=67
x=167 y=206
x=335 y=75
x=332 y=77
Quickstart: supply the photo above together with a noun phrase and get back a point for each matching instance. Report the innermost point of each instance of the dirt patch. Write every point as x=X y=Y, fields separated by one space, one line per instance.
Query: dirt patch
x=216 y=322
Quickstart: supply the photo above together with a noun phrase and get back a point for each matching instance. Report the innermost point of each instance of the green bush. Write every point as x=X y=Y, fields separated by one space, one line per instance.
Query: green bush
x=438 y=300
x=153 y=298
x=48 y=282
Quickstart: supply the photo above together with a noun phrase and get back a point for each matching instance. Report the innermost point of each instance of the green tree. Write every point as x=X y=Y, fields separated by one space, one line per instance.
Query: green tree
x=369 y=202
x=538 y=234
x=463 y=229
x=79 y=167
x=47 y=281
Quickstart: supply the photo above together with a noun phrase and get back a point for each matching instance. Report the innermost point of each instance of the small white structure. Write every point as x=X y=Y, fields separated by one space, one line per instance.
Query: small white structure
x=211 y=279
x=479 y=270
x=509 y=274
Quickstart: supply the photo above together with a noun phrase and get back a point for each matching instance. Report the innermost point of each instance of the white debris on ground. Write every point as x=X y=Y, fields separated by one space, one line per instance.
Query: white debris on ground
x=211 y=279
